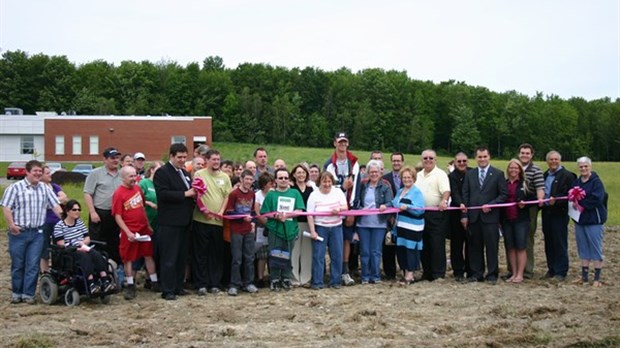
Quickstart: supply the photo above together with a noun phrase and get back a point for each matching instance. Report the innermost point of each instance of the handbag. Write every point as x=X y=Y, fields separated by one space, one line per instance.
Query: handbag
x=390 y=238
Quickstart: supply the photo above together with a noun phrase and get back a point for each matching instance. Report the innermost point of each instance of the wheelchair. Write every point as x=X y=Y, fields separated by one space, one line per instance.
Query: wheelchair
x=66 y=280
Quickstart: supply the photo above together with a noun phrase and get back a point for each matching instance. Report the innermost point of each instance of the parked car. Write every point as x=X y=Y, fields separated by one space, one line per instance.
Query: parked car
x=56 y=167
x=83 y=168
x=16 y=170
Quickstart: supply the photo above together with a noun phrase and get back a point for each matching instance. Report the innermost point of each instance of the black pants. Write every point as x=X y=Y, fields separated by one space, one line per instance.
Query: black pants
x=434 y=250
x=459 y=257
x=106 y=230
x=208 y=255
x=555 y=231
x=90 y=262
x=172 y=249
x=483 y=238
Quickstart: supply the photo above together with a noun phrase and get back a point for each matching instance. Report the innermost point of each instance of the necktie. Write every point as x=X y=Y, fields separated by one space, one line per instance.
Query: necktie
x=183 y=177
x=397 y=181
x=482 y=176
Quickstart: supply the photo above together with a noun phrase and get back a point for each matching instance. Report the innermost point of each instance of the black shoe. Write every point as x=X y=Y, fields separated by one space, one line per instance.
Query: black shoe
x=275 y=285
x=286 y=284
x=107 y=285
x=491 y=280
x=155 y=287
x=169 y=297
x=548 y=275
x=130 y=292
x=459 y=278
x=472 y=280
x=182 y=292
x=93 y=288
x=147 y=284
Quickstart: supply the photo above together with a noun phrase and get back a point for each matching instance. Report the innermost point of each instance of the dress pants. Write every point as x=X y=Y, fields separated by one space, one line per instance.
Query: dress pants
x=459 y=257
x=208 y=255
x=172 y=248
x=483 y=238
x=555 y=231
x=434 y=251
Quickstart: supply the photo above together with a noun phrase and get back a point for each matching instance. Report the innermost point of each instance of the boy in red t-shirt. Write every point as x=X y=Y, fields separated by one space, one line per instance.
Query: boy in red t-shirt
x=242 y=235
x=128 y=211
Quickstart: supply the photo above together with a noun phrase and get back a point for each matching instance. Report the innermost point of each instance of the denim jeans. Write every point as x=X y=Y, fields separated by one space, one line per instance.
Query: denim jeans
x=371 y=242
x=25 y=251
x=242 y=250
x=332 y=239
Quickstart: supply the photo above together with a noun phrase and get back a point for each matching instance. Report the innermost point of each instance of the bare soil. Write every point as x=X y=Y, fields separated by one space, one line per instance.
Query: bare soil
x=438 y=314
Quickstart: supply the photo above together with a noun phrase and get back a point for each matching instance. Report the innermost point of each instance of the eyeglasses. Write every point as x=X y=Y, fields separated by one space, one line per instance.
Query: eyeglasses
x=428 y=158
x=283 y=178
x=76 y=209
x=461 y=161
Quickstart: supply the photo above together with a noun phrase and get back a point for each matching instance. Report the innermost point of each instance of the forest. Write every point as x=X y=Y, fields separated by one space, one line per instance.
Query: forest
x=263 y=104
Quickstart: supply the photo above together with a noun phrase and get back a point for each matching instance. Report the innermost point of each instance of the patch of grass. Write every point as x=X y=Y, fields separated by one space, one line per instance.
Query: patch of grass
x=34 y=341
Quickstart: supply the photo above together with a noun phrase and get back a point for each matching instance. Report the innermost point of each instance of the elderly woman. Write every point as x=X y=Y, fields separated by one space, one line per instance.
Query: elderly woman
x=326 y=200
x=409 y=223
x=516 y=219
x=589 y=222
x=301 y=257
x=374 y=193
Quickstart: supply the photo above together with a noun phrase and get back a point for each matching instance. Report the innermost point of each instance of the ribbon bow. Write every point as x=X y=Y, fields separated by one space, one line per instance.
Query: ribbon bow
x=201 y=189
x=575 y=195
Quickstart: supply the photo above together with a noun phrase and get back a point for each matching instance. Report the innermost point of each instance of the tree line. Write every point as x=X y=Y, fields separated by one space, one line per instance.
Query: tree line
x=263 y=104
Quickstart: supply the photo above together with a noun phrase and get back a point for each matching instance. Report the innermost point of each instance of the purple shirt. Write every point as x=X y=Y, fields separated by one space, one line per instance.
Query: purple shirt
x=50 y=217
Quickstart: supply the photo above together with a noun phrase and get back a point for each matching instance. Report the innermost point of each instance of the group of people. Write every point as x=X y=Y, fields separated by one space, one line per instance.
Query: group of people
x=220 y=225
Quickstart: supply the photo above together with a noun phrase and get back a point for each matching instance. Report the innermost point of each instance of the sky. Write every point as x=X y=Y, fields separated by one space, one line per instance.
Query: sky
x=557 y=47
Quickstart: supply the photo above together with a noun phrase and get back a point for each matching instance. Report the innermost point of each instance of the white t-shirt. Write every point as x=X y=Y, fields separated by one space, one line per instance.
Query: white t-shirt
x=320 y=202
x=259 y=198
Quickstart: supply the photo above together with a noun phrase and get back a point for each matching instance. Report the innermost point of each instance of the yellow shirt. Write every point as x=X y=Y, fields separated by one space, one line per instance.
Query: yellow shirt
x=433 y=185
x=218 y=188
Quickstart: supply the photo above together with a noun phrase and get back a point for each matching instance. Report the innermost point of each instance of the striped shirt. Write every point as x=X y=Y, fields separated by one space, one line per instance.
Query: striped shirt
x=29 y=203
x=72 y=235
x=535 y=178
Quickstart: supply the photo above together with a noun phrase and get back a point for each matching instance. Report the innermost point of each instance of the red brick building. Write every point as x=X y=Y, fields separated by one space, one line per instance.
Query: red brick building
x=83 y=138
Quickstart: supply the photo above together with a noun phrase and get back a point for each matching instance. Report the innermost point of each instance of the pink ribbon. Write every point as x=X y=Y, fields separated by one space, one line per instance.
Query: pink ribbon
x=201 y=189
x=575 y=195
x=362 y=212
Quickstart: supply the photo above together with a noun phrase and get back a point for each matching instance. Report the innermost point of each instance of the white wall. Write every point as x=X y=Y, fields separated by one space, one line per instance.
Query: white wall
x=12 y=128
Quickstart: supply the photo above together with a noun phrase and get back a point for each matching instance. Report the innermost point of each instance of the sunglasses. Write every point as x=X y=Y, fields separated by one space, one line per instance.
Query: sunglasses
x=76 y=209
x=461 y=161
x=428 y=158
x=283 y=178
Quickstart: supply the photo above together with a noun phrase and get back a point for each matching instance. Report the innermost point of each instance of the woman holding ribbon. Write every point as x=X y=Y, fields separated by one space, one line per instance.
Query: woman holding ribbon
x=516 y=219
x=589 y=212
x=374 y=193
x=409 y=223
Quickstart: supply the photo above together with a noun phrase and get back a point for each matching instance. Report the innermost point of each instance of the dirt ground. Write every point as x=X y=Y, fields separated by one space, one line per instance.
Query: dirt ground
x=438 y=314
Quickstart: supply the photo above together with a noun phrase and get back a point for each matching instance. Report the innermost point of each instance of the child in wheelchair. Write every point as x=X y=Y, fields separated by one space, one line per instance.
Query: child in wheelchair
x=71 y=233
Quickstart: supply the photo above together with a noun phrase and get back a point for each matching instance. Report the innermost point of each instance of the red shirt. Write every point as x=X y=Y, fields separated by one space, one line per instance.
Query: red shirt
x=512 y=212
x=129 y=204
x=241 y=203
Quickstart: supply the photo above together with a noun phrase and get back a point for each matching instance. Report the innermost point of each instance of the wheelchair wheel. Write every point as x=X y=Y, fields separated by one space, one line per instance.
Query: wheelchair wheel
x=106 y=299
x=112 y=272
x=48 y=289
x=72 y=297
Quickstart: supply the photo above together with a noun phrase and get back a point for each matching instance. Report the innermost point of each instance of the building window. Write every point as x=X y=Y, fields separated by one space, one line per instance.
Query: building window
x=60 y=145
x=27 y=144
x=178 y=139
x=94 y=145
x=77 y=144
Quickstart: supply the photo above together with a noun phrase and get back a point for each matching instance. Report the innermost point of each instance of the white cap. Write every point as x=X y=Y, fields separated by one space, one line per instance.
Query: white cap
x=139 y=155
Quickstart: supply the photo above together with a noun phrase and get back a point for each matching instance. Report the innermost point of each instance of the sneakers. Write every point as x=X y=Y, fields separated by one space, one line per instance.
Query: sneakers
x=93 y=287
x=275 y=285
x=347 y=280
x=202 y=292
x=214 y=290
x=106 y=285
x=16 y=300
x=233 y=292
x=130 y=292
x=286 y=284
x=29 y=300
x=155 y=287
x=251 y=289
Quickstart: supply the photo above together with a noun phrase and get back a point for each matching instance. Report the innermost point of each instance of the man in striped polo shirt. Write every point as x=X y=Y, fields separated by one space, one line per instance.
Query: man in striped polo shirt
x=24 y=205
x=536 y=183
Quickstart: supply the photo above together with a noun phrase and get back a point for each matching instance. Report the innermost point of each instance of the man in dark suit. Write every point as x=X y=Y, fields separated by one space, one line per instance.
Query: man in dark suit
x=175 y=200
x=483 y=186
x=458 y=235
x=558 y=181
x=393 y=177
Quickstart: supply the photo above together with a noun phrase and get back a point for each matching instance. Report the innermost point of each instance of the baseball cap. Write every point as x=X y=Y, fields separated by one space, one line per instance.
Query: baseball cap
x=139 y=155
x=341 y=136
x=110 y=152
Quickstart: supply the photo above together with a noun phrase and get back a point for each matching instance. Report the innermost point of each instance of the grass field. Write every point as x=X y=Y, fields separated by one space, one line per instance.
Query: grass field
x=608 y=171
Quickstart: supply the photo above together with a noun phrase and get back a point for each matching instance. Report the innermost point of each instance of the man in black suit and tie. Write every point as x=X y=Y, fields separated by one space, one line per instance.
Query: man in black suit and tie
x=393 y=177
x=483 y=186
x=175 y=200
x=459 y=254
